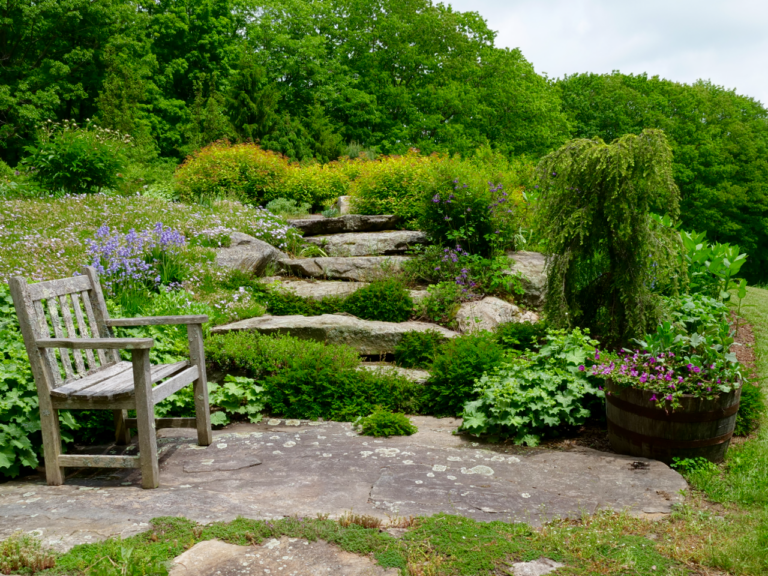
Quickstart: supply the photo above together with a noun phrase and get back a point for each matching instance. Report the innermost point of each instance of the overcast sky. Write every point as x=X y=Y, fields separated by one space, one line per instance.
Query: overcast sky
x=725 y=41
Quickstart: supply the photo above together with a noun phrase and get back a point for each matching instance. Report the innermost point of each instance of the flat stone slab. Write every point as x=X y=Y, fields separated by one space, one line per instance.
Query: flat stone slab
x=413 y=374
x=345 y=223
x=327 y=468
x=368 y=337
x=369 y=243
x=319 y=289
x=288 y=556
x=356 y=269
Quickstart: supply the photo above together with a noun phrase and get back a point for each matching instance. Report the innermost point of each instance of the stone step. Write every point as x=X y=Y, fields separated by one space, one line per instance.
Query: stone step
x=319 y=289
x=357 y=269
x=369 y=243
x=413 y=374
x=368 y=337
x=347 y=223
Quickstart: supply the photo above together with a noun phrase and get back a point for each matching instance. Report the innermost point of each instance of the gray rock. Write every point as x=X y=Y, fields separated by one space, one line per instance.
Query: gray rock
x=311 y=468
x=413 y=374
x=535 y=567
x=289 y=556
x=369 y=243
x=367 y=336
x=248 y=254
x=319 y=289
x=346 y=223
x=532 y=267
x=343 y=205
x=359 y=269
x=488 y=313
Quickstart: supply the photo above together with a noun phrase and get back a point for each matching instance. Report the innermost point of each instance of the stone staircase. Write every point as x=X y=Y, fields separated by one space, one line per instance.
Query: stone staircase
x=359 y=249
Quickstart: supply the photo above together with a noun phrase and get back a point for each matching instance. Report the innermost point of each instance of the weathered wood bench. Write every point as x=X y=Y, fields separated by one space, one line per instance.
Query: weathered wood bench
x=80 y=368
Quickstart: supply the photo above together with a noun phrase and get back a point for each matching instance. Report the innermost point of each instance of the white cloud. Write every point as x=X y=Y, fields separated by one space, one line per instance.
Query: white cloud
x=681 y=40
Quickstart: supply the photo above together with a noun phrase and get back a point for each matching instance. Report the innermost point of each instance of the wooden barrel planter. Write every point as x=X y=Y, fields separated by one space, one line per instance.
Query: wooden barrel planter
x=699 y=428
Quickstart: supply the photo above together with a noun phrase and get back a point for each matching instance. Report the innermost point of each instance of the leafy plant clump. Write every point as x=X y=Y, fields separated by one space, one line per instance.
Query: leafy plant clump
x=384 y=300
x=382 y=422
x=418 y=349
x=77 y=159
x=237 y=396
x=528 y=398
x=461 y=361
x=712 y=268
x=610 y=257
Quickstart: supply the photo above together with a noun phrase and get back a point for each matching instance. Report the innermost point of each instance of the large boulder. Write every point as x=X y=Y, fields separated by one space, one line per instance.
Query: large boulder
x=368 y=337
x=319 y=289
x=359 y=269
x=346 y=223
x=488 y=313
x=369 y=243
x=532 y=267
x=248 y=254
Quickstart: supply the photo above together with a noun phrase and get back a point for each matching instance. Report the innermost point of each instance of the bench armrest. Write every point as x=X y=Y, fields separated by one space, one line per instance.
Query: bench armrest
x=96 y=343
x=157 y=320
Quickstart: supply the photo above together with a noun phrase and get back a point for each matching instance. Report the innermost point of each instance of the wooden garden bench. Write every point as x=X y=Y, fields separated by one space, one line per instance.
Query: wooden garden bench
x=80 y=368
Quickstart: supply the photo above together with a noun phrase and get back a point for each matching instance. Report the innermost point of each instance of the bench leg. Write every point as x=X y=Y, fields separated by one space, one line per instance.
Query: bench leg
x=49 y=422
x=145 y=419
x=122 y=432
x=200 y=386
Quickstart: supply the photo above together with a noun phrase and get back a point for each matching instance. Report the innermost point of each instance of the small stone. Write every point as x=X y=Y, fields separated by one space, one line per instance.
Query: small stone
x=248 y=254
x=535 y=567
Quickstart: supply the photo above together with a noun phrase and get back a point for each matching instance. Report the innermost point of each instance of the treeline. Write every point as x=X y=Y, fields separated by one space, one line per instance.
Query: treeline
x=304 y=78
x=319 y=79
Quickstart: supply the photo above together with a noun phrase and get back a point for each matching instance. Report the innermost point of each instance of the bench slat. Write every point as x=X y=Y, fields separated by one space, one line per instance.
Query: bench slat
x=55 y=288
x=121 y=386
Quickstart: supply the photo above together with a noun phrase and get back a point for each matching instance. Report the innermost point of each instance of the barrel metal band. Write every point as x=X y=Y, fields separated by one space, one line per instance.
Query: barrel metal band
x=663 y=415
x=666 y=442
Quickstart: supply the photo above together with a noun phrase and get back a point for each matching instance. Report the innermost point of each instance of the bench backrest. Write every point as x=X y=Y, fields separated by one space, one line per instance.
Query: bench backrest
x=67 y=308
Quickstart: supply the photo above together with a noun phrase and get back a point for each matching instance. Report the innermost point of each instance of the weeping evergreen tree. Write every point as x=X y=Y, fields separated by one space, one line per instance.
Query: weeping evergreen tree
x=611 y=256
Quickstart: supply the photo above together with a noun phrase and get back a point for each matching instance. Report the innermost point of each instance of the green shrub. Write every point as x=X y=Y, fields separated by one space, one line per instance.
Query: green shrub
x=418 y=349
x=77 y=159
x=461 y=361
x=712 y=268
x=385 y=300
x=608 y=253
x=385 y=423
x=314 y=386
x=395 y=185
x=258 y=356
x=527 y=399
x=478 y=216
x=239 y=396
x=286 y=303
x=316 y=184
x=288 y=208
x=521 y=335
x=241 y=172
